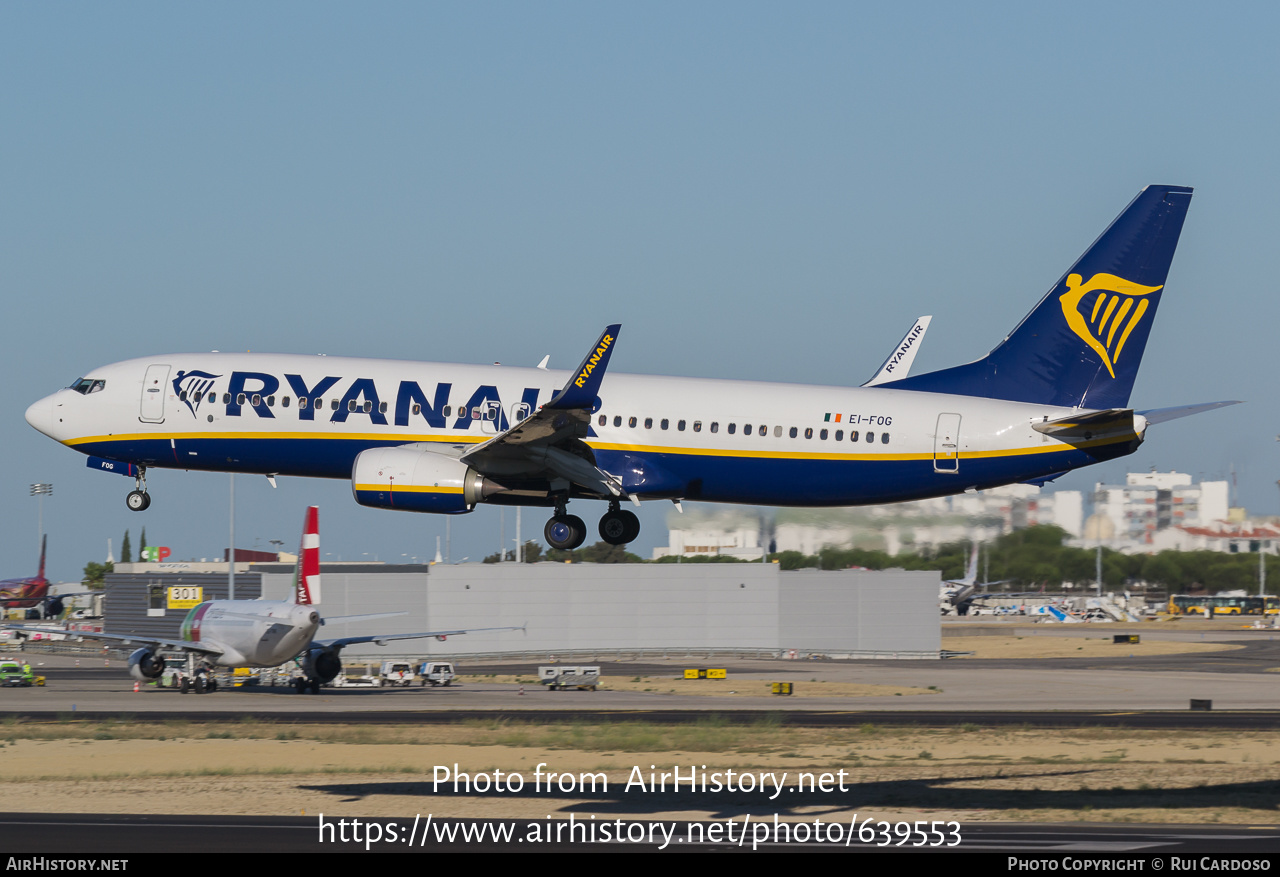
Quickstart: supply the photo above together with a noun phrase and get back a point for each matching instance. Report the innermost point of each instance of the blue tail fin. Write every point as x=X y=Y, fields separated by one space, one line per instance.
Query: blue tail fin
x=1081 y=345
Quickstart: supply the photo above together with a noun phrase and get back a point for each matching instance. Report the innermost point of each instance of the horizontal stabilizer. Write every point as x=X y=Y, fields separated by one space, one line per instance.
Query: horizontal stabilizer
x=1088 y=425
x=1160 y=415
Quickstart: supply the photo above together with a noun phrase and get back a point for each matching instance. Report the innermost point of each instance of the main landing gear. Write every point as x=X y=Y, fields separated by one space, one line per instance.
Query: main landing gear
x=566 y=532
x=138 y=499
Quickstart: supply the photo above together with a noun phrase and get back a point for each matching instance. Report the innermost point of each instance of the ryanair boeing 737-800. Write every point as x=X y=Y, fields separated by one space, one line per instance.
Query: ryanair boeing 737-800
x=430 y=437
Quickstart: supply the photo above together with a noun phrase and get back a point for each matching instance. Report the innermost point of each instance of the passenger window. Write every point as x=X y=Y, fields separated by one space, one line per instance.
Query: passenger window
x=853 y=435
x=417 y=409
x=884 y=438
x=764 y=430
x=446 y=410
x=226 y=398
x=648 y=423
x=462 y=412
x=213 y=397
x=617 y=420
x=602 y=420
x=697 y=426
x=240 y=399
x=808 y=432
x=333 y=404
x=732 y=428
x=631 y=422
x=351 y=406
x=839 y=435
x=182 y=397
x=871 y=436
x=746 y=429
x=680 y=426
x=793 y=432
x=823 y=435
x=715 y=426
x=665 y=423
x=271 y=401
x=777 y=432
x=302 y=403
x=284 y=401
x=257 y=400
x=368 y=405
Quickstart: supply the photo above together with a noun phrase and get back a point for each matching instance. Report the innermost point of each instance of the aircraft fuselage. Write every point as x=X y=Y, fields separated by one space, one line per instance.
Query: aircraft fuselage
x=661 y=437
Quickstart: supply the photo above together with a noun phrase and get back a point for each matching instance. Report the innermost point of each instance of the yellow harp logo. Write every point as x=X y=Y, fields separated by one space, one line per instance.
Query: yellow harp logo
x=1111 y=310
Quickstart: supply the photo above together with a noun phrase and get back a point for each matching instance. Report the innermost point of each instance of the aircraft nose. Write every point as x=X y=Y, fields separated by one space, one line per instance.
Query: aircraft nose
x=40 y=416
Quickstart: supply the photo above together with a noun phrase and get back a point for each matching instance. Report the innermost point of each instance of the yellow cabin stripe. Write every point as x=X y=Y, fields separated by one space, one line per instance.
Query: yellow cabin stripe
x=636 y=448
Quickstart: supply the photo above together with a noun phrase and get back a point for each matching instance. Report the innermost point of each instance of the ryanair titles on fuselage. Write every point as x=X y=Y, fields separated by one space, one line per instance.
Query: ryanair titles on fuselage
x=253 y=390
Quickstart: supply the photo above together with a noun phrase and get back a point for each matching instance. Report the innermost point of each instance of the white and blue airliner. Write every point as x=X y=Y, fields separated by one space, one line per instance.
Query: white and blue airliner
x=1053 y=396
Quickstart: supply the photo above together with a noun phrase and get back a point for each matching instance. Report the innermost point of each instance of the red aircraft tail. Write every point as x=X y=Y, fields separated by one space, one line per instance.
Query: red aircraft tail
x=306 y=585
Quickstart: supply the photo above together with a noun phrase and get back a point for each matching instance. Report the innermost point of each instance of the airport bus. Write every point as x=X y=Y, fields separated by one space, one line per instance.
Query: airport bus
x=1184 y=604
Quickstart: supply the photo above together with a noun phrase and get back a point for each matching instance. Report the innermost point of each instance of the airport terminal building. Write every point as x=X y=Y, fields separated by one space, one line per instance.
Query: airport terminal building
x=585 y=610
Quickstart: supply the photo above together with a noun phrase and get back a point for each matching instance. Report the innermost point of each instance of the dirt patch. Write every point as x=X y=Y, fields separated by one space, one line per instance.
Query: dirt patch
x=969 y=774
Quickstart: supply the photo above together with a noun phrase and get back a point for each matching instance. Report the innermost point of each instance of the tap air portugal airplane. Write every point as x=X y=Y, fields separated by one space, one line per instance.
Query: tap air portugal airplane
x=259 y=633
x=33 y=592
x=431 y=437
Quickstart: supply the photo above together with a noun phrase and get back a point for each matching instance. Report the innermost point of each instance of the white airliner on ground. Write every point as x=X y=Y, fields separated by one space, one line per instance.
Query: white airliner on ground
x=430 y=437
x=258 y=633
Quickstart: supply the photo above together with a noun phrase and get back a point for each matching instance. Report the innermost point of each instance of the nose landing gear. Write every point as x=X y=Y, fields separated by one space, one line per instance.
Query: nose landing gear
x=138 y=499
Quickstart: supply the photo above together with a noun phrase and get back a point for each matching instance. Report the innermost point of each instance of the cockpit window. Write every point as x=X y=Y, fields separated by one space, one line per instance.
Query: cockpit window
x=85 y=386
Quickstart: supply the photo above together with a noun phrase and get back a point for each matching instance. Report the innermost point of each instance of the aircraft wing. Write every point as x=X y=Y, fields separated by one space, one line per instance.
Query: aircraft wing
x=123 y=639
x=549 y=442
x=383 y=639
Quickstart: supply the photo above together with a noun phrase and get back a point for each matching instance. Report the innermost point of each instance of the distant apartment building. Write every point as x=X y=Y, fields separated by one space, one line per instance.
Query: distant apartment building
x=896 y=528
x=1157 y=511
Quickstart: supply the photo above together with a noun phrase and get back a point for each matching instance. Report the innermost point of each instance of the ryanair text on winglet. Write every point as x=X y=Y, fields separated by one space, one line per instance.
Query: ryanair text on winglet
x=591 y=363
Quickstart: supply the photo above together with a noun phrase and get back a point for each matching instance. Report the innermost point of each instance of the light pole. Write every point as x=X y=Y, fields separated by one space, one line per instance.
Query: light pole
x=40 y=490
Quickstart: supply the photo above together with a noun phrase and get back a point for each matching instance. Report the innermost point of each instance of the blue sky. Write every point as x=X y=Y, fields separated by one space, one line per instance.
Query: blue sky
x=754 y=191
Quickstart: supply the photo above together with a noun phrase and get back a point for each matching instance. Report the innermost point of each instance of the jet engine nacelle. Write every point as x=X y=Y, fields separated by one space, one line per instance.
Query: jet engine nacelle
x=414 y=480
x=145 y=664
x=322 y=665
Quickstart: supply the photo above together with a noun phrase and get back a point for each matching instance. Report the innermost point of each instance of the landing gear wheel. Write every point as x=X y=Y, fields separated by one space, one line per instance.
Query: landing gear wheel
x=200 y=685
x=137 y=501
x=300 y=685
x=619 y=527
x=565 y=532
x=184 y=685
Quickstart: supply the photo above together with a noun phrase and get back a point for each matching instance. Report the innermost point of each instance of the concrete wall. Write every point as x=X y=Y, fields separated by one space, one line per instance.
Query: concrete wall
x=610 y=607
x=859 y=611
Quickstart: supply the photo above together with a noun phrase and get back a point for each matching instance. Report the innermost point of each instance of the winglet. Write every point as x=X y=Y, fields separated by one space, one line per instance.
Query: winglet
x=581 y=390
x=306 y=578
x=899 y=362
